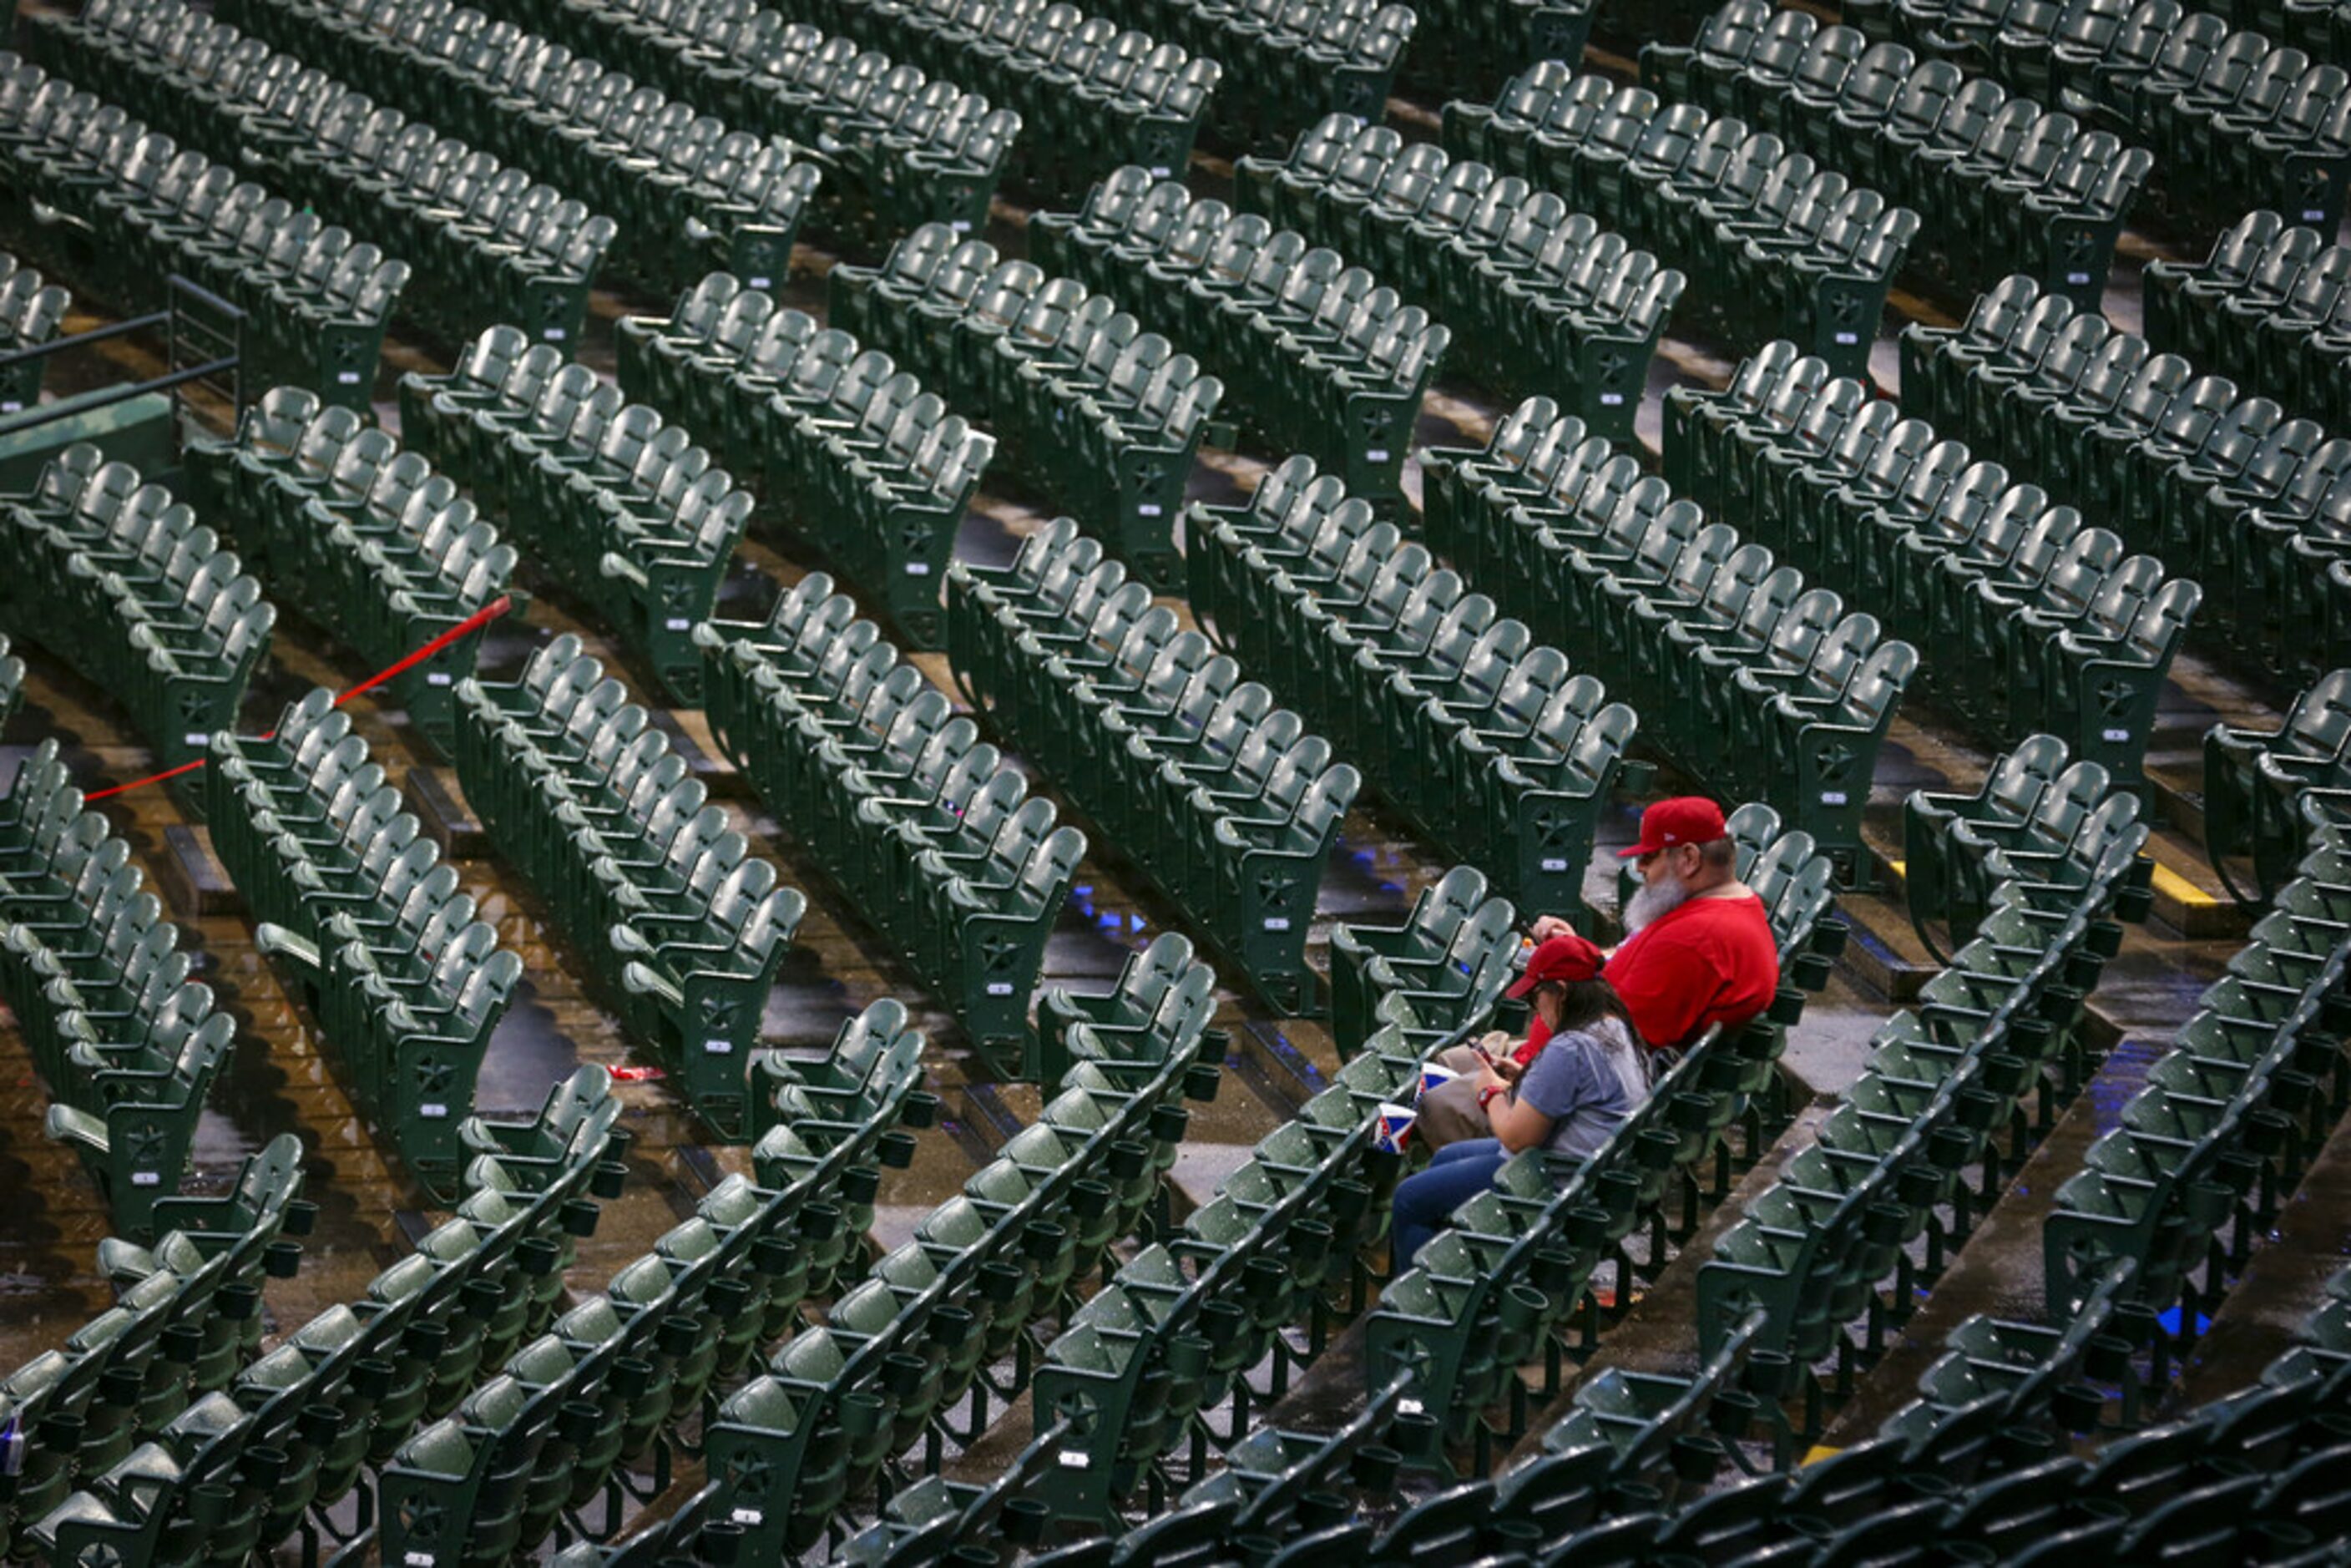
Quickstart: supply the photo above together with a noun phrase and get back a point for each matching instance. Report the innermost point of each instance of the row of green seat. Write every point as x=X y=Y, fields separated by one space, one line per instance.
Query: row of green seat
x=1762 y=687
x=1321 y=357
x=126 y=1042
x=1920 y=530
x=1284 y=1232
x=925 y=826
x=1285 y=62
x=271 y=1454
x=2271 y=307
x=2183 y=465
x=112 y=575
x=1467 y=48
x=1484 y=738
x=843 y=446
x=1997 y=181
x=405 y=982
x=1882 y=1192
x=688 y=190
x=1998 y=1380
x=380 y=550
x=2254 y=1477
x=1273 y=1482
x=681 y=924
x=2252 y=1083
x=903 y=148
x=2232 y=118
x=2020 y=33
x=1773 y=243
x=1103 y=416
x=483 y=239
x=941 y=1317
x=1456 y=946
x=531 y=1451
x=1091 y=94
x=1545 y=299
x=1174 y=1340
x=1224 y=801
x=316 y=301
x=32 y=309
x=1960 y=845
x=619 y=505
x=186 y=1317
x=2266 y=790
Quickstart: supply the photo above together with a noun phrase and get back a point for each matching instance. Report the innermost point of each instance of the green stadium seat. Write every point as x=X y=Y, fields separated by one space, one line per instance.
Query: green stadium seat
x=630 y=514
x=1320 y=356
x=683 y=188
x=481 y=239
x=317 y=300
x=404 y=979
x=1545 y=300
x=585 y=794
x=1991 y=181
x=838 y=734
x=114 y=576
x=1233 y=817
x=389 y=554
x=1773 y=243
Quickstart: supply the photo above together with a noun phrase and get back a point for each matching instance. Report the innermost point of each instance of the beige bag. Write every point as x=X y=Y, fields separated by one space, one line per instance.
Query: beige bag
x=1450 y=1112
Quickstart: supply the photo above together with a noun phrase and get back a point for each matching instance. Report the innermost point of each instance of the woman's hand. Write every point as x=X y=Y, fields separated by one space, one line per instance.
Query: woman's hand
x=1505 y=1070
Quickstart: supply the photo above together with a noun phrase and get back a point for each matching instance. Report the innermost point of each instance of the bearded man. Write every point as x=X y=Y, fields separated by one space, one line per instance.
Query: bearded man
x=1699 y=950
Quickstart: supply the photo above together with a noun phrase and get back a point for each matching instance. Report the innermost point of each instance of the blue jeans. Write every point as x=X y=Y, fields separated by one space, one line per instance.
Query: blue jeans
x=1456 y=1174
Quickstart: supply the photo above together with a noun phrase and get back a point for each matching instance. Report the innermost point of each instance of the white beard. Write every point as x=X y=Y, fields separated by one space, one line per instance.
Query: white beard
x=1655 y=901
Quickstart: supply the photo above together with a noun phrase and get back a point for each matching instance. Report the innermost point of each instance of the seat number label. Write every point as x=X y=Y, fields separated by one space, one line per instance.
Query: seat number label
x=1847 y=339
x=434 y=1112
x=761 y=283
x=918 y=568
x=437 y=677
x=556 y=334
x=1376 y=454
x=718 y=1047
x=1276 y=922
x=677 y=623
x=1554 y=864
x=146 y=1178
x=746 y=1516
x=2114 y=735
x=1147 y=509
x=419 y=1559
x=1832 y=797
x=2077 y=279
x=1611 y=400
x=1000 y=987
x=1075 y=1460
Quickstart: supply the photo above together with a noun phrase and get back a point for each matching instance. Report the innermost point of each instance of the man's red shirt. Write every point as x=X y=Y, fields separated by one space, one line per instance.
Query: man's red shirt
x=1708 y=961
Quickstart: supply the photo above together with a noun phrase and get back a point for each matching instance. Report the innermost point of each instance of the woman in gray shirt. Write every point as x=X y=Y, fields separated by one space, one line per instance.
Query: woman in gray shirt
x=1590 y=1074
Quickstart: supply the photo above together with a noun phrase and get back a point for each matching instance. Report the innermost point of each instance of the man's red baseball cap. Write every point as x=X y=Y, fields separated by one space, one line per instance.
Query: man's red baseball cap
x=1682 y=820
x=1567 y=957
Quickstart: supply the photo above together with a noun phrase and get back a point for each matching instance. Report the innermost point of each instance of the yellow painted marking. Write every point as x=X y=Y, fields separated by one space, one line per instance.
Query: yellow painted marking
x=1818 y=1452
x=2178 y=888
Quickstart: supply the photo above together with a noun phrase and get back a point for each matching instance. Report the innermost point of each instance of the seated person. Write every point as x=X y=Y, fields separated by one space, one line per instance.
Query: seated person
x=1589 y=1075
x=1699 y=949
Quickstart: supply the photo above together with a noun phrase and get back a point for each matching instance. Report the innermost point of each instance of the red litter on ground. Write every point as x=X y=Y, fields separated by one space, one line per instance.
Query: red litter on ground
x=638 y=1074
